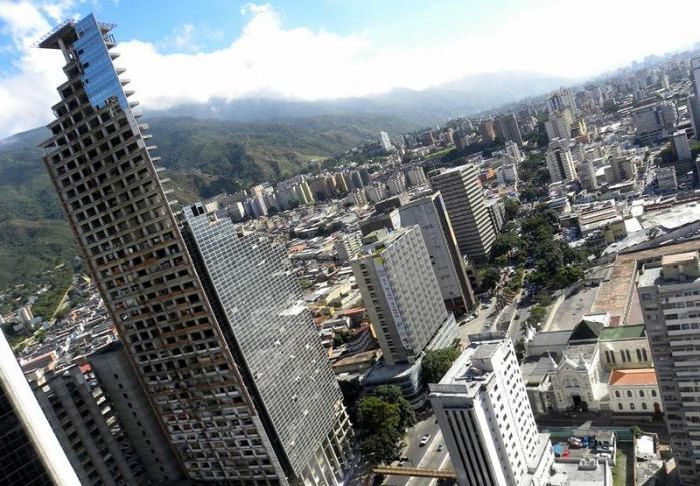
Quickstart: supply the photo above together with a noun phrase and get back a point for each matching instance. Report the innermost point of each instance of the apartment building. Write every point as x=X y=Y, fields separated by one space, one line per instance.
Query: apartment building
x=669 y=293
x=466 y=207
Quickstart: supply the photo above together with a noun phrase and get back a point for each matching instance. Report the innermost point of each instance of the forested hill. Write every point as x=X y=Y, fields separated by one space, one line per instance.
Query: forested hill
x=203 y=157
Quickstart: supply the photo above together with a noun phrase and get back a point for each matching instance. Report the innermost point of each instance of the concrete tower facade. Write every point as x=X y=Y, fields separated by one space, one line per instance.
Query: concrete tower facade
x=668 y=291
x=401 y=295
x=101 y=166
x=430 y=215
x=464 y=200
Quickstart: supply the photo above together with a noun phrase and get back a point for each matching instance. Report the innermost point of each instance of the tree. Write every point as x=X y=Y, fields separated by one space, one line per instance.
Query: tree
x=543 y=298
x=512 y=207
x=695 y=151
x=505 y=243
x=537 y=315
x=380 y=448
x=378 y=425
x=392 y=394
x=436 y=363
x=490 y=276
x=342 y=337
x=374 y=414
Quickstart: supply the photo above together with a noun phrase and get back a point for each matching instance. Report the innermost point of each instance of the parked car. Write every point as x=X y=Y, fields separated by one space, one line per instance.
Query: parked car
x=424 y=440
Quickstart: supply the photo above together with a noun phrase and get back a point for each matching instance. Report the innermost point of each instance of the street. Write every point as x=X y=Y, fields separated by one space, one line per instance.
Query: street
x=425 y=457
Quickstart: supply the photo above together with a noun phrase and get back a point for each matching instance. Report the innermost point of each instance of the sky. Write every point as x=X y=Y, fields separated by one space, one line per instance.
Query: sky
x=183 y=52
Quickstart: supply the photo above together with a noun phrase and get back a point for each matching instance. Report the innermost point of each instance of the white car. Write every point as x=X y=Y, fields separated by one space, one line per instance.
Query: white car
x=424 y=440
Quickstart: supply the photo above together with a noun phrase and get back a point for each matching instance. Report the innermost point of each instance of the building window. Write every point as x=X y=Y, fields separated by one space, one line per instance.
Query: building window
x=619 y=406
x=653 y=393
x=644 y=354
x=639 y=355
x=631 y=406
x=617 y=393
x=629 y=393
x=622 y=355
x=644 y=405
x=641 y=393
x=627 y=352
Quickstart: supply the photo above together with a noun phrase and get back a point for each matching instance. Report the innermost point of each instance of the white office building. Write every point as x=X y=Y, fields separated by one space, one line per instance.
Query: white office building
x=681 y=146
x=385 y=141
x=485 y=417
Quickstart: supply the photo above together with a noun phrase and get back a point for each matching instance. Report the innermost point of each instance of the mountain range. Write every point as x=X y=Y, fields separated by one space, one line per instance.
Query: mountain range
x=464 y=97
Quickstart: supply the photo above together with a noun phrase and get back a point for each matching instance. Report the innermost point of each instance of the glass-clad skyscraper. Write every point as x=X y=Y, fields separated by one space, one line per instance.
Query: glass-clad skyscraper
x=258 y=300
x=103 y=171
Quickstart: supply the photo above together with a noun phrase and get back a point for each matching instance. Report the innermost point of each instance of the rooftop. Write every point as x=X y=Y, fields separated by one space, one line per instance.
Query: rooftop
x=615 y=295
x=633 y=377
x=679 y=258
x=622 y=332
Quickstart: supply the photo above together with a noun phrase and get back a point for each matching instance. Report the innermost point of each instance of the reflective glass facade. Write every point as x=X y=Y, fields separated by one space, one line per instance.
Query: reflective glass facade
x=100 y=79
x=19 y=463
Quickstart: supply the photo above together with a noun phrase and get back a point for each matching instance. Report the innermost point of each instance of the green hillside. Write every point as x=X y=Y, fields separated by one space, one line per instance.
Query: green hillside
x=203 y=158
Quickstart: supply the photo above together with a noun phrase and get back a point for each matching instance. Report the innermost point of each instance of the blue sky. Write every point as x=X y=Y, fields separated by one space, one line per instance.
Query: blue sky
x=183 y=52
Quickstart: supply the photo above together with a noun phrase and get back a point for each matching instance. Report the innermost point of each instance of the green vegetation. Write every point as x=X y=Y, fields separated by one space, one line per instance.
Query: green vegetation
x=537 y=315
x=695 y=151
x=534 y=178
x=487 y=148
x=556 y=265
x=29 y=248
x=489 y=276
x=512 y=207
x=382 y=419
x=436 y=363
x=58 y=282
x=342 y=337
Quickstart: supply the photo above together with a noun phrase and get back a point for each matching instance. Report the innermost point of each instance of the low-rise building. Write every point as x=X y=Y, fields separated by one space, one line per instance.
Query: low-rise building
x=666 y=179
x=634 y=390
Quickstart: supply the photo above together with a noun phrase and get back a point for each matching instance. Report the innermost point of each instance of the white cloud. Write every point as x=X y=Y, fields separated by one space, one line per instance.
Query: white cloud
x=267 y=58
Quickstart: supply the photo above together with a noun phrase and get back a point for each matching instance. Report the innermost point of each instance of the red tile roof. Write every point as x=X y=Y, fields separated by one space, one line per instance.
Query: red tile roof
x=633 y=377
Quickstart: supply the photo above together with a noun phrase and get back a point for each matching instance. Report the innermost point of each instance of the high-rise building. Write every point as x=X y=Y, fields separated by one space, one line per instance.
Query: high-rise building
x=416 y=176
x=560 y=164
x=513 y=152
x=401 y=294
x=668 y=293
x=30 y=454
x=507 y=128
x=562 y=98
x=681 y=146
x=558 y=124
x=87 y=427
x=430 y=215
x=385 y=141
x=464 y=200
x=486 y=420
x=487 y=131
x=587 y=175
x=654 y=120
x=115 y=375
x=694 y=98
x=347 y=245
x=101 y=166
x=666 y=179
x=259 y=304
